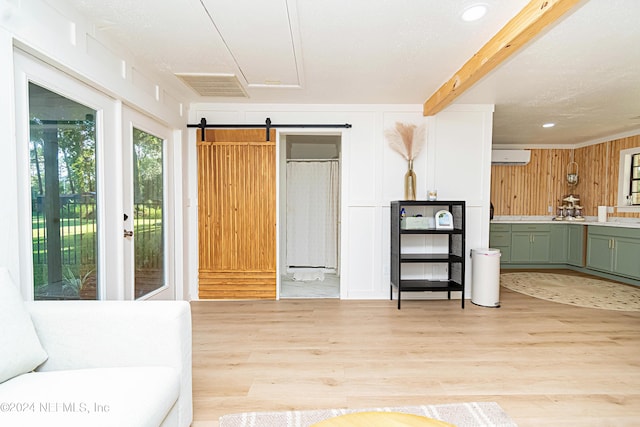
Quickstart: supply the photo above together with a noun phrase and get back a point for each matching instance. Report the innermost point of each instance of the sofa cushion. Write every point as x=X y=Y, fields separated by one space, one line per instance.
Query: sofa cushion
x=124 y=397
x=20 y=348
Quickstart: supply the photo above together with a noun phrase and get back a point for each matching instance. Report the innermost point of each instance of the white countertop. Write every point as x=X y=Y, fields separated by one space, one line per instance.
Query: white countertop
x=589 y=220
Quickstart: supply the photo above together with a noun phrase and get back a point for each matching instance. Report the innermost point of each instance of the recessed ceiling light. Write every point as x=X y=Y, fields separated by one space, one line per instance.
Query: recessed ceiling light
x=474 y=12
x=548 y=125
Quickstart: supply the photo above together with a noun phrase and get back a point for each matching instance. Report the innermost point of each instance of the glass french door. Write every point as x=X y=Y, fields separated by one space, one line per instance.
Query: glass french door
x=147 y=226
x=95 y=206
x=64 y=224
x=67 y=202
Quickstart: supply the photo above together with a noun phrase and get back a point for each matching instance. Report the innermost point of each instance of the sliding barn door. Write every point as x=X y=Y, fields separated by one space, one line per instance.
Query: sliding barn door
x=237 y=215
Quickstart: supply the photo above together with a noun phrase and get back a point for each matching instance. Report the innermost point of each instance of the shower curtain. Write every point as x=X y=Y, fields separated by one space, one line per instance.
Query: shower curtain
x=312 y=213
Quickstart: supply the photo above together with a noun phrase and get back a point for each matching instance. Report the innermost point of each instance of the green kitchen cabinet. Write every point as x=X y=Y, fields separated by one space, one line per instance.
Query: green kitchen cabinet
x=575 y=247
x=614 y=250
x=530 y=243
x=520 y=247
x=599 y=253
x=558 y=249
x=627 y=257
x=500 y=238
x=605 y=250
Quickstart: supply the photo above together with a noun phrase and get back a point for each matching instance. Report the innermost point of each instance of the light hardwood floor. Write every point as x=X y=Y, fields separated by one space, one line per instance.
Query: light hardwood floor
x=546 y=364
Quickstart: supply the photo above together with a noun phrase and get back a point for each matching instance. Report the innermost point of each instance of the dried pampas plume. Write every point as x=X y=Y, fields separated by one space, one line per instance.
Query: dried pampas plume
x=406 y=139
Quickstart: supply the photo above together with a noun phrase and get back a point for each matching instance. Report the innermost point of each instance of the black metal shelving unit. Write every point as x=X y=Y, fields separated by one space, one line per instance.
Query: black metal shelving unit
x=454 y=259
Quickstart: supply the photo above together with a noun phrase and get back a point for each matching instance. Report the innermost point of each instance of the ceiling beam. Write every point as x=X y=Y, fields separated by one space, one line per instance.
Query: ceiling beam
x=523 y=27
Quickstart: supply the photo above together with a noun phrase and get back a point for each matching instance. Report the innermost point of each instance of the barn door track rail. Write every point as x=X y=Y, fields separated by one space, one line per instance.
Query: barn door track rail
x=267 y=125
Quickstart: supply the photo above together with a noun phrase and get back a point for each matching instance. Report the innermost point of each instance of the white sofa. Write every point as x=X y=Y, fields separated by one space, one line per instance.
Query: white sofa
x=108 y=363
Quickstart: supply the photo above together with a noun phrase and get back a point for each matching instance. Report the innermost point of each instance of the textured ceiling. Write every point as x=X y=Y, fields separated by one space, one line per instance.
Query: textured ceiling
x=583 y=73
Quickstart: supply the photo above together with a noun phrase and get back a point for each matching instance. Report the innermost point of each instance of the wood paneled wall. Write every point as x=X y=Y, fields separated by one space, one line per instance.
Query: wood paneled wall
x=531 y=189
x=237 y=215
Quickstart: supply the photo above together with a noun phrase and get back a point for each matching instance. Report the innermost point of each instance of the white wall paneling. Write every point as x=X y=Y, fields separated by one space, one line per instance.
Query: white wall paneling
x=475 y=238
x=460 y=155
x=363 y=279
x=455 y=161
x=463 y=169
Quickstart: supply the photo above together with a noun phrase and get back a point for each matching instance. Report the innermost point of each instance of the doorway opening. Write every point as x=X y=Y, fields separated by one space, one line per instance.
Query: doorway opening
x=310 y=216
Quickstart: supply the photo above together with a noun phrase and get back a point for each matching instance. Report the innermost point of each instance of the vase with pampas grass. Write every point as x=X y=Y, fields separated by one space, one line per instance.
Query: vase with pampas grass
x=410 y=182
x=408 y=140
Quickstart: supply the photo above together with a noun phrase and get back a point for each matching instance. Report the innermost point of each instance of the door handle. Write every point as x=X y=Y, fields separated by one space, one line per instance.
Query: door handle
x=128 y=233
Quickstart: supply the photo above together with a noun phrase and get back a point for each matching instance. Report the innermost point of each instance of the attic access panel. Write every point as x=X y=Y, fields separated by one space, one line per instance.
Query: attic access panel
x=261 y=37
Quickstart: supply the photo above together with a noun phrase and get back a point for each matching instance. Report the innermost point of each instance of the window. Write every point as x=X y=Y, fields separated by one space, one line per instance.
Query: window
x=635 y=180
x=629 y=180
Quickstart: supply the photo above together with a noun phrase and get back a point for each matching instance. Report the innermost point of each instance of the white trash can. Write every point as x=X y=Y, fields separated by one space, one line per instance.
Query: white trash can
x=485 y=277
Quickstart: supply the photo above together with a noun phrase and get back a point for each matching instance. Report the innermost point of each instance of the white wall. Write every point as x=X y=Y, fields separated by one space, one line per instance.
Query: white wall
x=9 y=225
x=456 y=161
x=459 y=138
x=62 y=38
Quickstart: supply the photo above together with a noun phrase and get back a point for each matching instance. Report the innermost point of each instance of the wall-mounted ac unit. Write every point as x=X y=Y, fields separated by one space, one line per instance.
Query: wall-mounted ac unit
x=510 y=157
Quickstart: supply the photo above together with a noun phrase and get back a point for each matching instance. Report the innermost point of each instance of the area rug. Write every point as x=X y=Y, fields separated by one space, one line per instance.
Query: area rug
x=474 y=414
x=574 y=290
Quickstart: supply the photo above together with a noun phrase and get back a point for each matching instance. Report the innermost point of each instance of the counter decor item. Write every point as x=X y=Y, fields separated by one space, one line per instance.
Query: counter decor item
x=602 y=214
x=570 y=210
x=408 y=140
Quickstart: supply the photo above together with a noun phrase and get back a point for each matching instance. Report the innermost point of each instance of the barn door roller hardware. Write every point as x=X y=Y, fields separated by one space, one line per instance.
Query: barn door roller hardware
x=267 y=125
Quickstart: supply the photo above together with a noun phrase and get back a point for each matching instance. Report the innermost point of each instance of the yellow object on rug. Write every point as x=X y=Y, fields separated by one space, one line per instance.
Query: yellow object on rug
x=470 y=414
x=574 y=290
